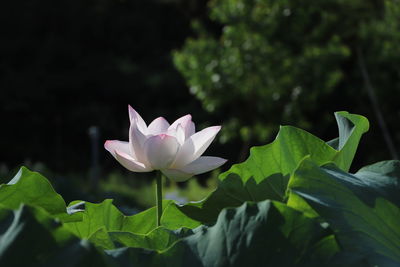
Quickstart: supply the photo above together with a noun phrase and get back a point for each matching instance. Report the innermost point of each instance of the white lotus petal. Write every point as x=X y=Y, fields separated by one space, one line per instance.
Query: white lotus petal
x=158 y=126
x=174 y=149
x=161 y=150
x=203 y=164
x=199 y=166
x=190 y=129
x=187 y=124
x=182 y=121
x=194 y=146
x=136 y=143
x=130 y=163
x=136 y=118
x=122 y=146
x=180 y=134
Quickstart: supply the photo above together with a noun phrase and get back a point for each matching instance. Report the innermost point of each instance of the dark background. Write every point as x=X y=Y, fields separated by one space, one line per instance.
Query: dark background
x=68 y=65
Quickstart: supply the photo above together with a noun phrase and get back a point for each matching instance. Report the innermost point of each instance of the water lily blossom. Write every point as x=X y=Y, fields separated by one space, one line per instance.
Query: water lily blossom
x=174 y=149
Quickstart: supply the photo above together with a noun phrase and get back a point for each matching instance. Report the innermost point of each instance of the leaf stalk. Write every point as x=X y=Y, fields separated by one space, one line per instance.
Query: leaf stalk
x=159 y=198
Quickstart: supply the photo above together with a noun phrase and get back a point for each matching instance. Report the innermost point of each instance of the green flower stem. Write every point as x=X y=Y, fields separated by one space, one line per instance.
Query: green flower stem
x=159 y=198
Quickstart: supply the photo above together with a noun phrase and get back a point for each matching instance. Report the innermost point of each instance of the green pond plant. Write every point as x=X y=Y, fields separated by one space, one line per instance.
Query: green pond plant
x=172 y=149
x=294 y=203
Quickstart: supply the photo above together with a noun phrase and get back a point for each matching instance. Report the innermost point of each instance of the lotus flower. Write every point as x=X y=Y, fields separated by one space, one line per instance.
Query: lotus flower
x=174 y=149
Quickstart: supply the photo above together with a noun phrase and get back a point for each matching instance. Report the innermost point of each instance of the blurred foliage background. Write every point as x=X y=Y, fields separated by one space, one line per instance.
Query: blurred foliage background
x=249 y=65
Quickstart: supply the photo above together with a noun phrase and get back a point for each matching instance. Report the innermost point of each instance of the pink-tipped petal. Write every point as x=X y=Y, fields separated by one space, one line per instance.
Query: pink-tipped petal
x=158 y=126
x=113 y=145
x=134 y=117
x=136 y=143
x=187 y=124
x=161 y=150
x=182 y=121
x=130 y=163
x=194 y=146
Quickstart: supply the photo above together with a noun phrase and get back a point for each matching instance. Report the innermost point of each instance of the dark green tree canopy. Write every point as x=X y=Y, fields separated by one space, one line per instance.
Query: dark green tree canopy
x=280 y=62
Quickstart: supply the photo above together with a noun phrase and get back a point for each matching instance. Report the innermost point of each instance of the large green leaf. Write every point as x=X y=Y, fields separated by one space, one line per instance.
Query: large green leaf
x=18 y=231
x=277 y=234
x=97 y=220
x=265 y=174
x=254 y=234
x=103 y=224
x=33 y=189
x=366 y=223
x=351 y=128
x=292 y=145
x=29 y=236
x=79 y=253
x=380 y=179
x=159 y=239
